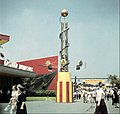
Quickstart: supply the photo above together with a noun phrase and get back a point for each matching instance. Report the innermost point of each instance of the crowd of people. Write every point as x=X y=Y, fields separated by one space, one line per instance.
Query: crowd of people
x=98 y=95
x=16 y=103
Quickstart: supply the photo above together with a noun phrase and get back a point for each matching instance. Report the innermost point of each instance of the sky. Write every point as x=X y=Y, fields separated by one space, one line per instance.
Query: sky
x=34 y=28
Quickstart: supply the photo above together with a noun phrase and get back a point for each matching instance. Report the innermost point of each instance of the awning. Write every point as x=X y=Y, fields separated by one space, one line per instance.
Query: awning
x=13 y=72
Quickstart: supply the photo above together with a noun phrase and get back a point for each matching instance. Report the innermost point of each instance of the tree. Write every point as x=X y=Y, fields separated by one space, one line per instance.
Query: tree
x=114 y=80
x=118 y=83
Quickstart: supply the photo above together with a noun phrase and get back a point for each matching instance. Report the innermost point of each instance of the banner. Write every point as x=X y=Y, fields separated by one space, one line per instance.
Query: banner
x=93 y=81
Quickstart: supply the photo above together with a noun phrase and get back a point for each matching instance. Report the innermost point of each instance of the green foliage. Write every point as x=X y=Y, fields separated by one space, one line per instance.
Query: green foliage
x=114 y=80
x=117 y=82
x=42 y=93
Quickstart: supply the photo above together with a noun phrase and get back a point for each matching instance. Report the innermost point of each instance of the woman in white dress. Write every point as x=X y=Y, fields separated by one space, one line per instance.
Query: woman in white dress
x=13 y=101
x=100 y=103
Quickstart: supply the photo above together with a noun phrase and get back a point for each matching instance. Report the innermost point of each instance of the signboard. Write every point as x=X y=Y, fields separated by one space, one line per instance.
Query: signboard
x=93 y=81
x=18 y=66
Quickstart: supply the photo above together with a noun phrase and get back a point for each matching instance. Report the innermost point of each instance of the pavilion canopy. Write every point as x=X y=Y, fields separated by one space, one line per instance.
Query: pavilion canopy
x=13 y=72
x=4 y=39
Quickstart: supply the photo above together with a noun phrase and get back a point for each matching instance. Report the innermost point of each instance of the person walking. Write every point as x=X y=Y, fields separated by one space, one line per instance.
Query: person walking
x=79 y=93
x=85 y=95
x=94 y=95
x=116 y=97
x=100 y=103
x=112 y=96
x=21 y=106
x=13 y=100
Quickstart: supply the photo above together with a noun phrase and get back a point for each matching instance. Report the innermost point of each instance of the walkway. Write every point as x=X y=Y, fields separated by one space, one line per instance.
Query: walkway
x=46 y=107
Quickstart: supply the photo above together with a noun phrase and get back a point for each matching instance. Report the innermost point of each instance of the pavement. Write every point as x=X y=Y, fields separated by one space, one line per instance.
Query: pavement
x=51 y=107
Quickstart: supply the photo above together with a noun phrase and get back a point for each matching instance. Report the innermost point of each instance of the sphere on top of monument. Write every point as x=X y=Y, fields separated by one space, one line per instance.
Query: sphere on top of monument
x=64 y=13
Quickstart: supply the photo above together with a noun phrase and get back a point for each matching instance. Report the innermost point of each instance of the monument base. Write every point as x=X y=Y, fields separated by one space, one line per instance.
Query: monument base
x=64 y=88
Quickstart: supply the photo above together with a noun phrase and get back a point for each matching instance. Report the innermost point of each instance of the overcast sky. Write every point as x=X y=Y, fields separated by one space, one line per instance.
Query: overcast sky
x=34 y=28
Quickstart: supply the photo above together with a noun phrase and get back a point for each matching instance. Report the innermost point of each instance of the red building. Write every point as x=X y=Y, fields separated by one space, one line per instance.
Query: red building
x=40 y=67
x=11 y=73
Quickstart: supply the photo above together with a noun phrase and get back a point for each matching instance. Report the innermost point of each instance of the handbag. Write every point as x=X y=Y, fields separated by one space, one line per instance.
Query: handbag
x=7 y=107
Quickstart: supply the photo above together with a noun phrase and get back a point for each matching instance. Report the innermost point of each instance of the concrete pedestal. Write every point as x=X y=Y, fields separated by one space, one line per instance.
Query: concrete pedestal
x=64 y=88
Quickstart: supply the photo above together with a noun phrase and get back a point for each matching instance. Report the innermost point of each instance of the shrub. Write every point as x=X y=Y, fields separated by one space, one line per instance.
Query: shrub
x=42 y=93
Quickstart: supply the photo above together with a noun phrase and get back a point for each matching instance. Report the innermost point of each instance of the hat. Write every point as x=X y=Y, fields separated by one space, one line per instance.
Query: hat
x=101 y=84
x=115 y=88
x=20 y=86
